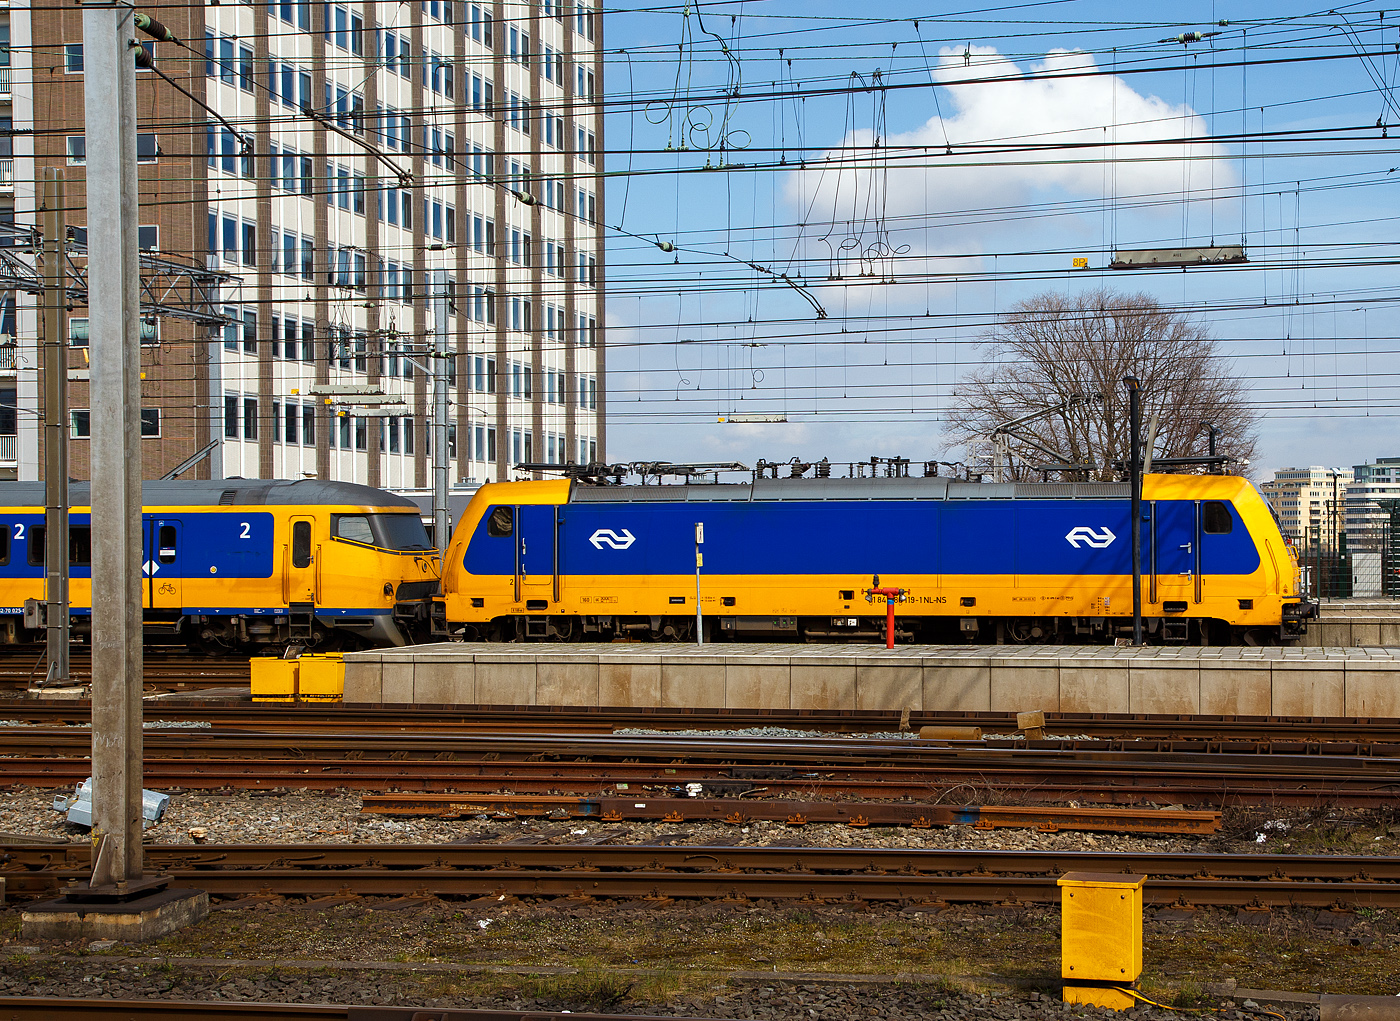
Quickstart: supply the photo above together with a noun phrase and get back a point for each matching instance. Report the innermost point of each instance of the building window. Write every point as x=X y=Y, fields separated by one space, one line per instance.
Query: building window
x=77 y=150
x=79 y=424
x=73 y=58
x=230 y=417
x=77 y=332
x=150 y=423
x=147 y=148
x=250 y=418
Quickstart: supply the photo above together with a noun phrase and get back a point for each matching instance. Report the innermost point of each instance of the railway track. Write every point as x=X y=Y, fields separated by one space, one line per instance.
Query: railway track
x=342 y=872
x=165 y=670
x=588 y=764
x=47 y=1008
x=1217 y=731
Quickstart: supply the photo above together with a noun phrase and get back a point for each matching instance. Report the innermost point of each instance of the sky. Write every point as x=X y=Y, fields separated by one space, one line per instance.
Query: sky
x=814 y=219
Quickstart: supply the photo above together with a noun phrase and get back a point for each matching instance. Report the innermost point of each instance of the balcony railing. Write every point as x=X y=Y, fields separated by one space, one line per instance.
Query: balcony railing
x=4 y=74
x=7 y=357
x=7 y=173
x=7 y=450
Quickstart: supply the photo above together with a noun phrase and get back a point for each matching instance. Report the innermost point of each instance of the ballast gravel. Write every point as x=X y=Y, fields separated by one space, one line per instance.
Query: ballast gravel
x=335 y=817
x=304 y=817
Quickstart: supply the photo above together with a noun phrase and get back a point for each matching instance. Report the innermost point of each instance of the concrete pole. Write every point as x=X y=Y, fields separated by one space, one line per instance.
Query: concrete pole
x=109 y=103
x=1135 y=473
x=55 y=428
x=441 y=526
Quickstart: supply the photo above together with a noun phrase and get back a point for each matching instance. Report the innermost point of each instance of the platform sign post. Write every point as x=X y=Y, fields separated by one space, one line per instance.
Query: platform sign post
x=699 y=562
x=114 y=320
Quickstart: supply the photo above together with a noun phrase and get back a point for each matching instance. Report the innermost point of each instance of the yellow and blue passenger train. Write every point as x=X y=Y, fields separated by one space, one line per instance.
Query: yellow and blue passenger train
x=238 y=564
x=793 y=558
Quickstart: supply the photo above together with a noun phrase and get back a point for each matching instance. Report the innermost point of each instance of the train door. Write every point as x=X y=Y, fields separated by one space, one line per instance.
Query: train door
x=1215 y=521
x=299 y=567
x=162 y=565
x=537 y=555
x=1174 y=551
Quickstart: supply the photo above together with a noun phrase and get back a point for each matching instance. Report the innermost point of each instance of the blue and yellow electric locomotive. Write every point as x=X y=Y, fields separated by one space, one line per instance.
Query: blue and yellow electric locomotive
x=792 y=559
x=242 y=564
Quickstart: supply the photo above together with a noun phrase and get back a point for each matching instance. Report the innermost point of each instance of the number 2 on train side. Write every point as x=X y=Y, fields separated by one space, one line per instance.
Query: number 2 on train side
x=244 y=534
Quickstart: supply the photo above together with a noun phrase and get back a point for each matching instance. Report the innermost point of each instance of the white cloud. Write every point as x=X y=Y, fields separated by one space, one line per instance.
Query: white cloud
x=1021 y=110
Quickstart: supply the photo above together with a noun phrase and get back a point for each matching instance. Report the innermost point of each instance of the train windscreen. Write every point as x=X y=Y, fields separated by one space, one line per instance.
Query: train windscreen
x=403 y=532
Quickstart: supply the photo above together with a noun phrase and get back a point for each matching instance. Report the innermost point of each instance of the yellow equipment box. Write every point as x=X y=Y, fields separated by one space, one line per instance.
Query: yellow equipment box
x=309 y=678
x=274 y=680
x=1100 y=936
x=322 y=677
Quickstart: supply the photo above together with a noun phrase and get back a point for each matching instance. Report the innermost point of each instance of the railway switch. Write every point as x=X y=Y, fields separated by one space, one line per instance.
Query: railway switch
x=1100 y=937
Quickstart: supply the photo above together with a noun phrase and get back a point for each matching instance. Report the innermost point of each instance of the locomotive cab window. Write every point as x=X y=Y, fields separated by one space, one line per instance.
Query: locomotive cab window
x=5 y=546
x=301 y=544
x=1216 y=518
x=354 y=527
x=501 y=522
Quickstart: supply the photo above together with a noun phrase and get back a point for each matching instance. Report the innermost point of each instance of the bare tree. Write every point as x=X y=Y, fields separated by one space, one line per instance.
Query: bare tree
x=1052 y=348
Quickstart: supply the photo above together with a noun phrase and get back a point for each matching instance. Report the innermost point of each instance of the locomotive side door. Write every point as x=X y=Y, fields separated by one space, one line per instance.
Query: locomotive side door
x=162 y=564
x=299 y=568
x=537 y=554
x=1174 y=551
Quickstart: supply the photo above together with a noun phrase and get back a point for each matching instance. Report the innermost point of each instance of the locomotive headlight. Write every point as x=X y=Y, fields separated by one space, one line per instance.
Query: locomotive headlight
x=388 y=590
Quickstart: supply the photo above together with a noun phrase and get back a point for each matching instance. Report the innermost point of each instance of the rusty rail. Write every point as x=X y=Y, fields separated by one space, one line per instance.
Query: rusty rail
x=817 y=769
x=1326 y=735
x=346 y=871
x=738 y=811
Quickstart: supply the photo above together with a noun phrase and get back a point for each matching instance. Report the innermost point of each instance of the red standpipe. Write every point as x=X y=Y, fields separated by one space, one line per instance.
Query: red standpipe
x=892 y=595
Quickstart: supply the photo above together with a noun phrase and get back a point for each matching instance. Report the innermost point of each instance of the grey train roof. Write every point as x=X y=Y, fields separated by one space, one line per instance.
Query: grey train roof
x=221 y=492
x=764 y=490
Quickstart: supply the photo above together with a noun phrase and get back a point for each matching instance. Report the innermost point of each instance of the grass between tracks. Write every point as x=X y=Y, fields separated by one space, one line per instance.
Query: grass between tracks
x=617 y=952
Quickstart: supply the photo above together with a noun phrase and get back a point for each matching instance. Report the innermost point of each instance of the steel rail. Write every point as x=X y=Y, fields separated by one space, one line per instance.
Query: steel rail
x=47 y=1008
x=1308 y=733
x=409 y=741
x=21 y=667
x=653 y=872
x=1200 y=780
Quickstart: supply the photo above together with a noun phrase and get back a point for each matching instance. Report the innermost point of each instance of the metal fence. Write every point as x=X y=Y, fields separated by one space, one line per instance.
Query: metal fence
x=1368 y=568
x=7 y=450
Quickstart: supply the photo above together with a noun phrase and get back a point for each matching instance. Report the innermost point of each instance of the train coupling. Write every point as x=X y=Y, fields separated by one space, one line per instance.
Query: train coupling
x=1296 y=615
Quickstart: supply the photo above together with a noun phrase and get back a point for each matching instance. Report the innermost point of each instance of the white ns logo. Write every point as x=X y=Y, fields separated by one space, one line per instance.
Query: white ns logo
x=1094 y=540
x=617 y=540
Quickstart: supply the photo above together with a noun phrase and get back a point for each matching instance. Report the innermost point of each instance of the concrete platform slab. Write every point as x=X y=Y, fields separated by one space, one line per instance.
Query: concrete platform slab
x=145 y=918
x=1225 y=681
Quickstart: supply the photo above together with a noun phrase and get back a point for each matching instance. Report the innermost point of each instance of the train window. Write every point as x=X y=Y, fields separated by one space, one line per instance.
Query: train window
x=5 y=545
x=301 y=544
x=166 y=553
x=79 y=545
x=501 y=522
x=1216 y=518
x=354 y=527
